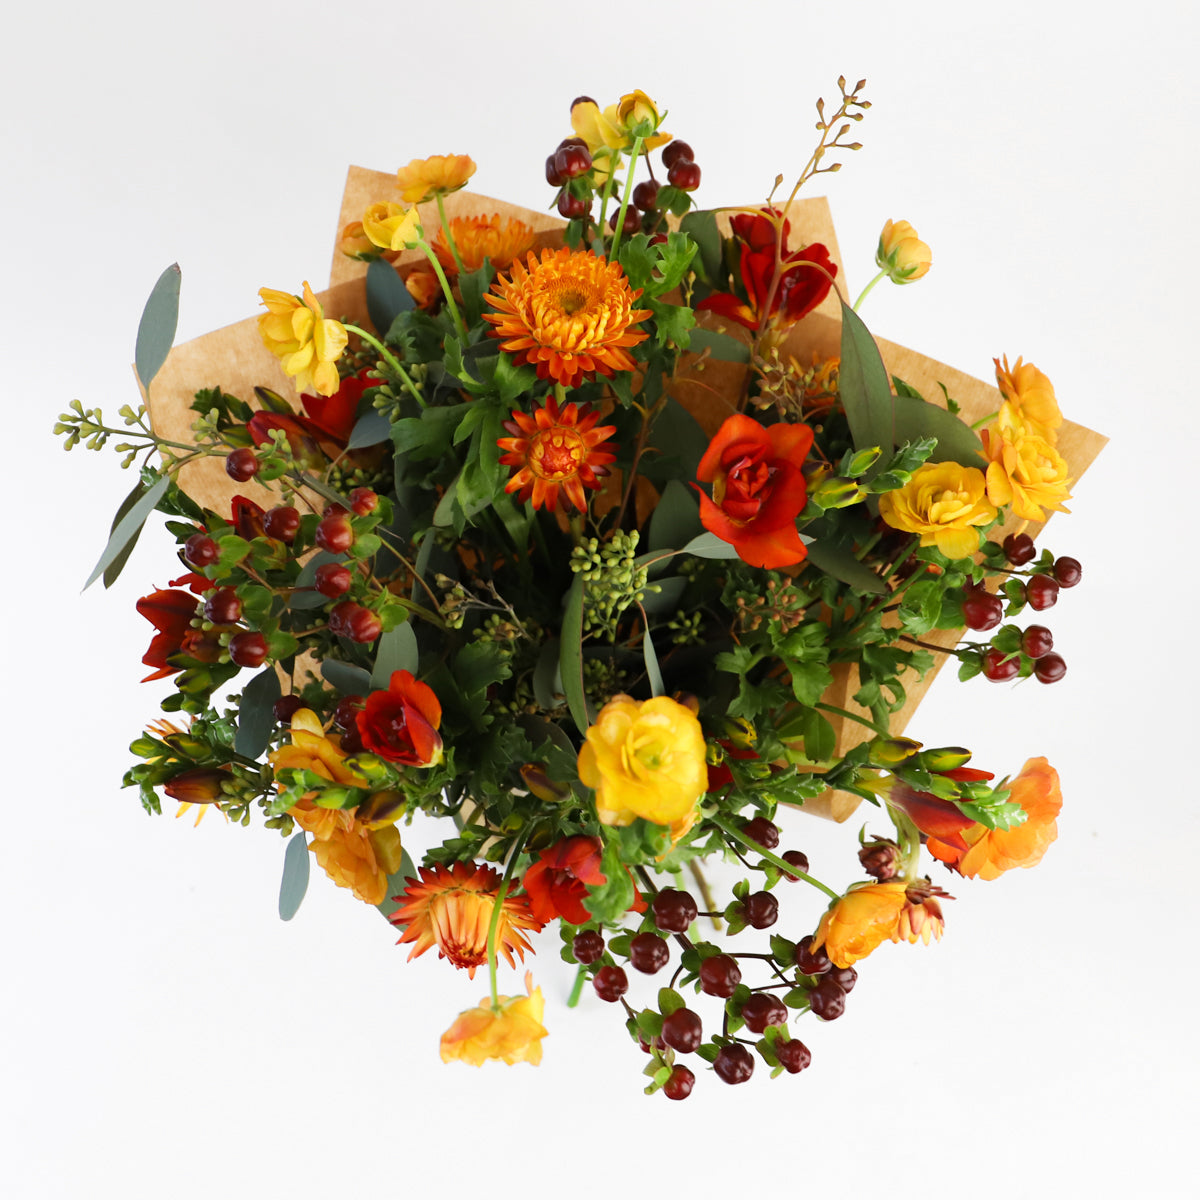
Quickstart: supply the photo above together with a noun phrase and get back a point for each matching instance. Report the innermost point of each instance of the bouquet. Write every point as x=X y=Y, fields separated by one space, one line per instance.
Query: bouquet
x=606 y=539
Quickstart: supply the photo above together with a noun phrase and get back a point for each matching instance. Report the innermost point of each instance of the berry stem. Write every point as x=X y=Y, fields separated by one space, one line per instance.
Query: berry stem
x=786 y=867
x=705 y=894
x=904 y=637
x=882 y=730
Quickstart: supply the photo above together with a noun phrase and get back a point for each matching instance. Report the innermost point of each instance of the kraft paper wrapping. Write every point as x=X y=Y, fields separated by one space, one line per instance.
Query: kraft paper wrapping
x=236 y=359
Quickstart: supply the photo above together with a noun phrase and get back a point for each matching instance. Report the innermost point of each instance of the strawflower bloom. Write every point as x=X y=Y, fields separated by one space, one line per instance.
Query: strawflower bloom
x=401 y=724
x=509 y=1030
x=305 y=341
x=438 y=175
x=451 y=908
x=391 y=226
x=476 y=238
x=556 y=450
x=1024 y=469
x=868 y=914
x=568 y=314
x=645 y=759
x=901 y=253
x=944 y=503
x=1031 y=395
x=758 y=489
x=921 y=918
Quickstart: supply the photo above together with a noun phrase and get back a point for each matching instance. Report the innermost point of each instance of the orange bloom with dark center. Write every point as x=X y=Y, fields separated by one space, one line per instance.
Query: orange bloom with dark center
x=556 y=450
x=758 y=489
x=451 y=908
x=477 y=238
x=569 y=315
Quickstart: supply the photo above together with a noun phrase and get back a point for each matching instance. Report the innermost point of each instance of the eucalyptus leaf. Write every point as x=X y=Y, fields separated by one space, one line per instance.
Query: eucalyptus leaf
x=708 y=545
x=956 y=441
x=397 y=652
x=396 y=883
x=128 y=528
x=156 y=329
x=294 y=883
x=114 y=568
x=255 y=716
x=571 y=658
x=387 y=297
x=653 y=673
x=347 y=678
x=863 y=386
x=676 y=518
x=841 y=564
x=719 y=345
x=369 y=430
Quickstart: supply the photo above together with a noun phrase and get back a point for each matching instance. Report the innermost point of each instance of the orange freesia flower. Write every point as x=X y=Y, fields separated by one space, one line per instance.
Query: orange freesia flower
x=868 y=914
x=440 y=174
x=305 y=341
x=569 y=314
x=510 y=1030
x=1024 y=469
x=1031 y=395
x=451 y=908
x=758 y=489
x=311 y=750
x=991 y=852
x=556 y=450
x=477 y=238
x=944 y=503
x=350 y=853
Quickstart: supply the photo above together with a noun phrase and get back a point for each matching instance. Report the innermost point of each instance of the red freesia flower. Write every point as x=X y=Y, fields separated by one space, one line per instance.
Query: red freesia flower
x=171 y=613
x=801 y=285
x=557 y=883
x=942 y=821
x=401 y=723
x=247 y=519
x=758 y=489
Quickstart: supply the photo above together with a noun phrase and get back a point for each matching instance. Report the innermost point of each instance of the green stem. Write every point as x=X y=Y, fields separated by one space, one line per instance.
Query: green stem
x=637 y=149
x=498 y=908
x=909 y=840
x=866 y=291
x=705 y=894
x=577 y=988
x=984 y=420
x=845 y=712
x=448 y=235
x=391 y=361
x=455 y=315
x=606 y=195
x=735 y=833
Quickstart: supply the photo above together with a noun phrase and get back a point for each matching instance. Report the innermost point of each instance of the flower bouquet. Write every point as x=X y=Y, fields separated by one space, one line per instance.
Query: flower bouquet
x=604 y=538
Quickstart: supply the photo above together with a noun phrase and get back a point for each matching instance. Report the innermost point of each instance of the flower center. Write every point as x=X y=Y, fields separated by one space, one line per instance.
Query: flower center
x=557 y=453
x=572 y=300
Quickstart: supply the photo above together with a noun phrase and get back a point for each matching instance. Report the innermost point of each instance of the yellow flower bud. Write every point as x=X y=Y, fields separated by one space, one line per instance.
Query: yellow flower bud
x=901 y=253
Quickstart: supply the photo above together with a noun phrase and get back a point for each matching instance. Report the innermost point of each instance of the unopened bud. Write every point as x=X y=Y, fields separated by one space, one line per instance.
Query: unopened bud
x=542 y=786
x=881 y=859
x=388 y=851
x=891 y=752
x=200 y=785
x=945 y=758
x=837 y=493
x=861 y=461
x=380 y=810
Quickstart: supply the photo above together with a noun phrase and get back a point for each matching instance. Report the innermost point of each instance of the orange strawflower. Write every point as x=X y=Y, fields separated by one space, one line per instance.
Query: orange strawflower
x=569 y=314
x=477 y=238
x=451 y=908
x=921 y=917
x=510 y=1030
x=556 y=450
x=868 y=914
x=440 y=174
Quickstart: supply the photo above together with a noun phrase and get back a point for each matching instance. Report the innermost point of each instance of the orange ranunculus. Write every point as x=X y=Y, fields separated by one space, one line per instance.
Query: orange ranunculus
x=401 y=724
x=354 y=243
x=944 y=503
x=1024 y=469
x=439 y=174
x=868 y=914
x=311 y=750
x=991 y=852
x=645 y=759
x=306 y=342
x=510 y=1030
x=1031 y=395
x=901 y=253
x=758 y=489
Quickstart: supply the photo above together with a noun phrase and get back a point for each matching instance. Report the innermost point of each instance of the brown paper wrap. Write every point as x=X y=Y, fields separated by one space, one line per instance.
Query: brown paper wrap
x=236 y=359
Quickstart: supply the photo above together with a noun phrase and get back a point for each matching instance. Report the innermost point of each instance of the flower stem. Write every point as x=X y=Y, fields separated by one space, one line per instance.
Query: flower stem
x=883 y=731
x=867 y=290
x=455 y=315
x=448 y=235
x=577 y=987
x=498 y=908
x=735 y=833
x=391 y=361
x=637 y=149
x=705 y=894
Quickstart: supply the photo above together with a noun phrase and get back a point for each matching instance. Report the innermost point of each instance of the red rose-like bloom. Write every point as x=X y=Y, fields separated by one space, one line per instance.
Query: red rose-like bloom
x=171 y=613
x=758 y=489
x=557 y=883
x=401 y=723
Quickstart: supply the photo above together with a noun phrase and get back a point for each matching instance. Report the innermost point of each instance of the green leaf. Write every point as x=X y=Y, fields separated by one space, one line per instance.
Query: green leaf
x=675 y=519
x=255 y=718
x=369 y=430
x=863 y=386
x=114 y=568
x=956 y=442
x=348 y=679
x=653 y=674
x=128 y=527
x=609 y=901
x=570 y=659
x=672 y=323
x=719 y=345
x=397 y=652
x=396 y=885
x=547 y=682
x=701 y=227
x=430 y=434
x=841 y=564
x=670 y=1001
x=680 y=444
x=387 y=297
x=472 y=285
x=156 y=330
x=294 y=883
x=512 y=381
x=708 y=545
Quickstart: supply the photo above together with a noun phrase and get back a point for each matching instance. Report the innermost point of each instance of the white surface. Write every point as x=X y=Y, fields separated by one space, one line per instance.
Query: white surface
x=163 y=1034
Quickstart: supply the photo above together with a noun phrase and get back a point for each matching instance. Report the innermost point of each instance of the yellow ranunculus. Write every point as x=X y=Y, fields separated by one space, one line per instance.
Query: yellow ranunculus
x=391 y=226
x=901 y=253
x=348 y=856
x=439 y=174
x=1031 y=396
x=311 y=750
x=645 y=759
x=1025 y=470
x=943 y=502
x=637 y=114
x=511 y=1030
x=868 y=914
x=306 y=343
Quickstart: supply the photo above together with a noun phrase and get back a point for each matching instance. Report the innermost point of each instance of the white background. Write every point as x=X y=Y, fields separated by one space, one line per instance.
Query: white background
x=163 y=1035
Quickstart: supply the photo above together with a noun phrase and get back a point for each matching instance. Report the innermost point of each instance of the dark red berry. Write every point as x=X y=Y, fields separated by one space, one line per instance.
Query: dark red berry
x=673 y=910
x=282 y=522
x=570 y=161
x=351 y=740
x=735 y=1064
x=810 y=961
x=350 y=620
x=646 y=194
x=286 y=707
x=1042 y=592
x=1068 y=571
x=334 y=534
x=572 y=207
x=611 y=983
x=998 y=667
x=1037 y=641
x=676 y=152
x=248 y=649
x=844 y=977
x=720 y=975
x=793 y=1056
x=762 y=831
x=363 y=501
x=345 y=716
x=587 y=946
x=763 y=1009
x=242 y=464
x=761 y=910
x=582 y=100
x=684 y=175
x=200 y=550
x=827 y=1000
x=982 y=610
x=797 y=859
x=632 y=222
x=553 y=178
x=679 y=1084
x=332 y=579
x=223 y=607
x=574 y=141
x=1050 y=668
x=648 y=953
x=334 y=509
x=683 y=1030
x=1019 y=549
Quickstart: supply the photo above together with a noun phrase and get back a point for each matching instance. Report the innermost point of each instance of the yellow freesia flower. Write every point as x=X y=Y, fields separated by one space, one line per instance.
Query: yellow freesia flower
x=510 y=1030
x=311 y=750
x=391 y=226
x=1024 y=469
x=901 y=253
x=440 y=174
x=1031 y=396
x=645 y=759
x=305 y=341
x=868 y=914
x=943 y=502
